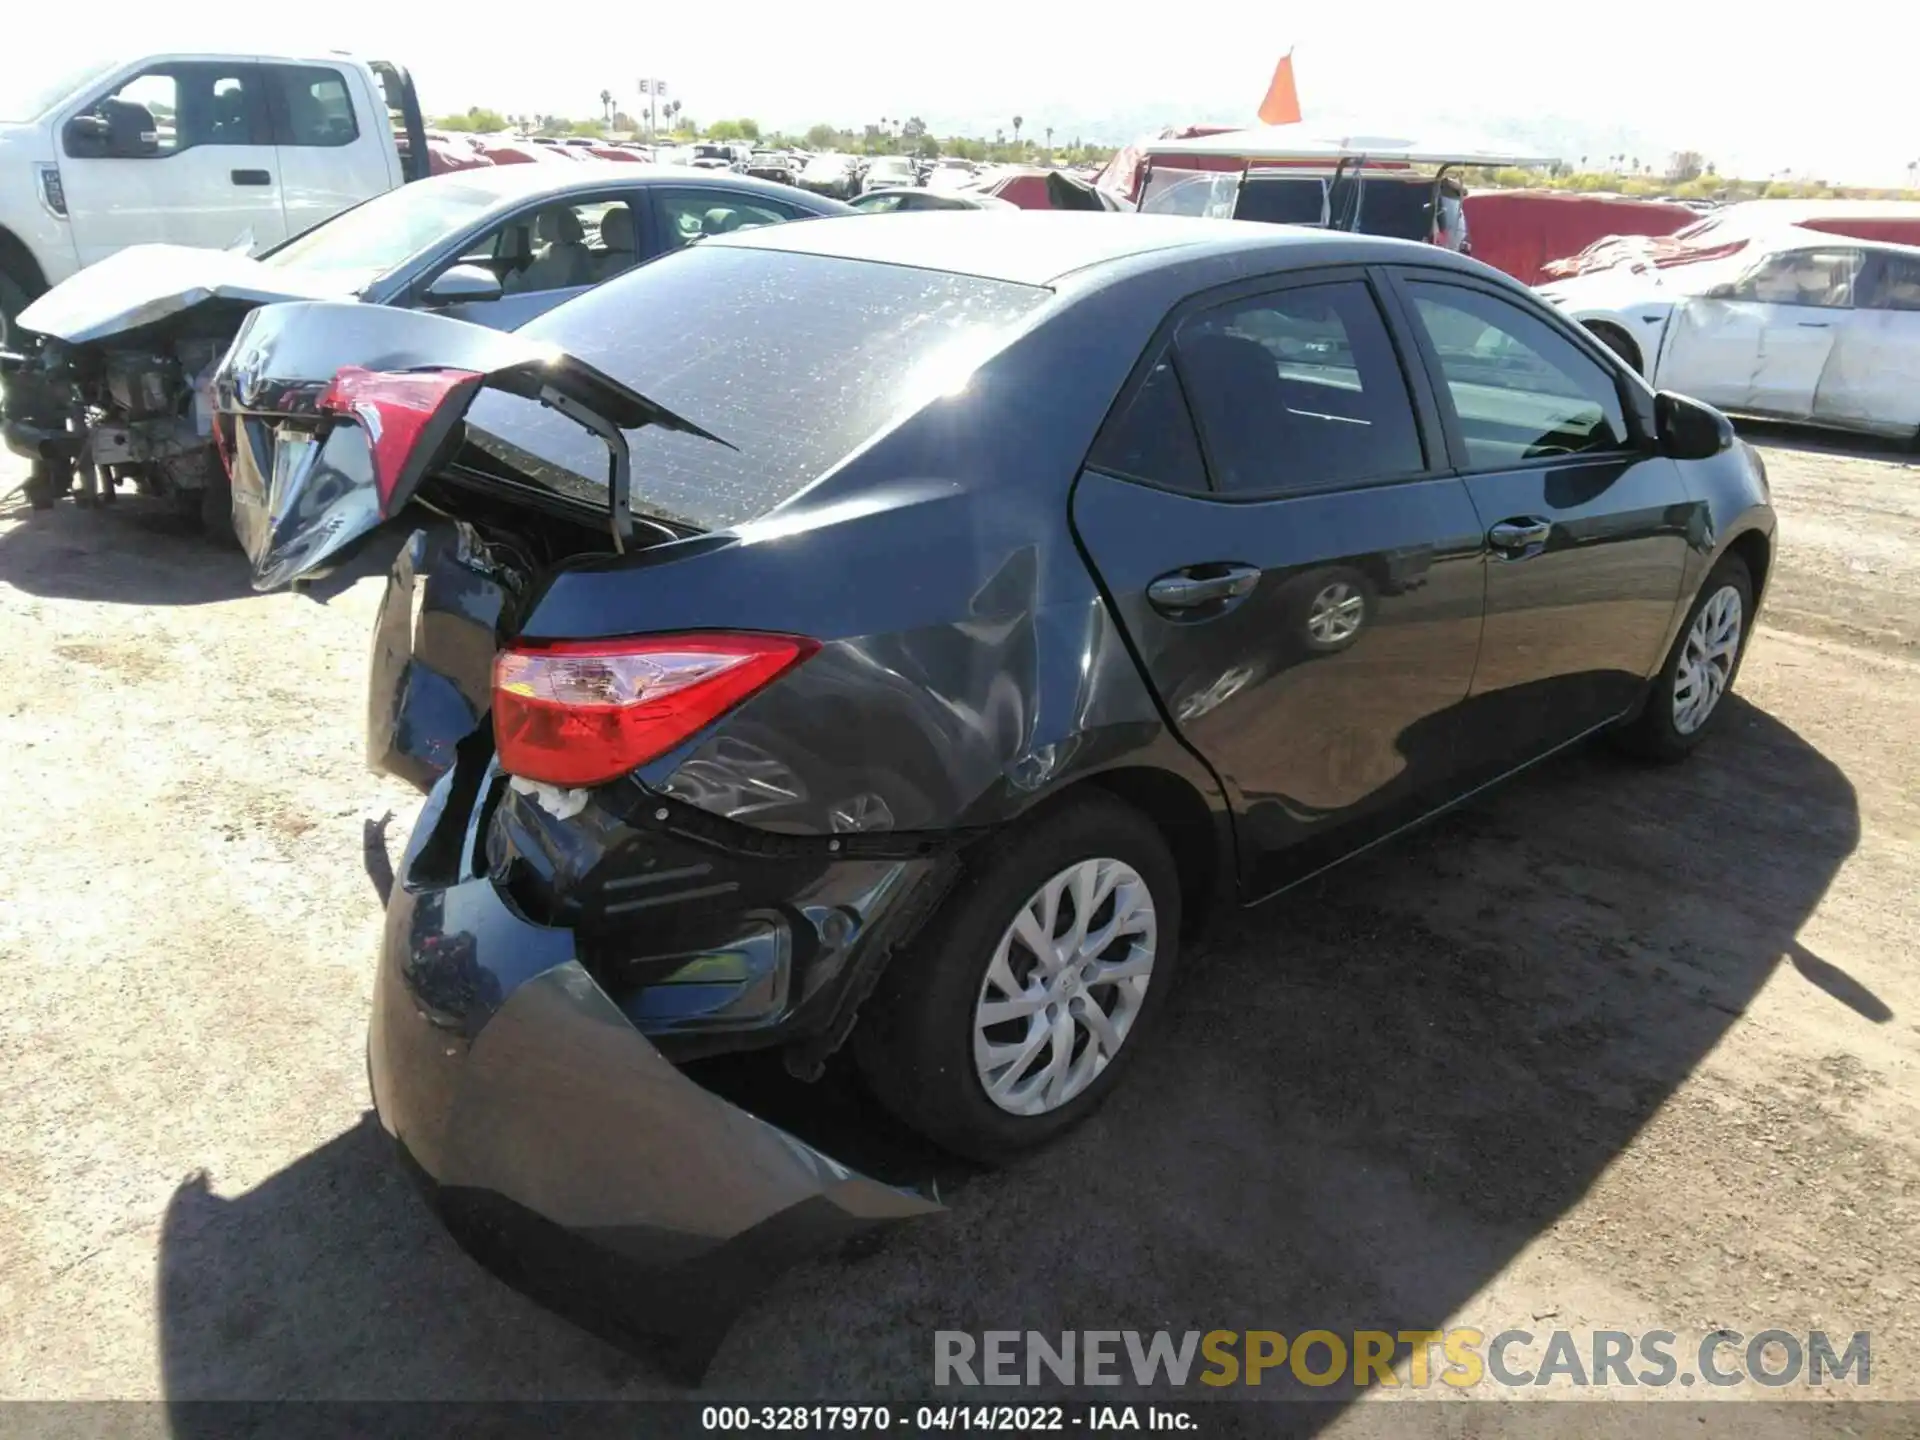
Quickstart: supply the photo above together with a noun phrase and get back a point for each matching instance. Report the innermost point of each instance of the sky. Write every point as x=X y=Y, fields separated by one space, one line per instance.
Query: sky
x=1756 y=90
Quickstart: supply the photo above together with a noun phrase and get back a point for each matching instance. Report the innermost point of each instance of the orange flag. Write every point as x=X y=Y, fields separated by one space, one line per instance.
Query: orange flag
x=1282 y=105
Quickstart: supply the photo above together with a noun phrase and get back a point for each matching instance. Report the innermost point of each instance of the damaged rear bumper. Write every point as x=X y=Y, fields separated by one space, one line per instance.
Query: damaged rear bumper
x=566 y=1153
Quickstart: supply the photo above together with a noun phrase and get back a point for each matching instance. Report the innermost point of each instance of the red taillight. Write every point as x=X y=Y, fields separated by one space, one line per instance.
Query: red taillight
x=394 y=407
x=581 y=712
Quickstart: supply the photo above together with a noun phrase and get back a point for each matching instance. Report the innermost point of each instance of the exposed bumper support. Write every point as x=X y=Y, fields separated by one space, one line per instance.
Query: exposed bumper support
x=567 y=1154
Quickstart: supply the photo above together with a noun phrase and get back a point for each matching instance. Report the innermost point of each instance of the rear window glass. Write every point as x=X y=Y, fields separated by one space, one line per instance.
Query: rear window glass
x=795 y=360
x=1283 y=202
x=1211 y=193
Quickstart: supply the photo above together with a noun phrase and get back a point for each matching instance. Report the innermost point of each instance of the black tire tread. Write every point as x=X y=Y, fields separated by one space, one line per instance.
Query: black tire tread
x=913 y=1040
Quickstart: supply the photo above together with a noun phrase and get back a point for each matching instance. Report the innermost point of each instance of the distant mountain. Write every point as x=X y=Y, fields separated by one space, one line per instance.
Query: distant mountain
x=1560 y=136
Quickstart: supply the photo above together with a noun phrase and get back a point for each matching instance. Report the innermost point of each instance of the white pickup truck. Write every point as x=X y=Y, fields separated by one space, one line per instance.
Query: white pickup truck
x=196 y=149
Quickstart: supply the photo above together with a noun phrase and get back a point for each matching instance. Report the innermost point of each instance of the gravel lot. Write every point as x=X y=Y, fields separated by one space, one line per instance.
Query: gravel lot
x=1615 y=1048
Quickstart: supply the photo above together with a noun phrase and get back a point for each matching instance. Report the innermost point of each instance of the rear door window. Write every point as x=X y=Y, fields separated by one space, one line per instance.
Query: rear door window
x=1822 y=279
x=1891 y=282
x=311 y=106
x=1299 y=390
x=689 y=215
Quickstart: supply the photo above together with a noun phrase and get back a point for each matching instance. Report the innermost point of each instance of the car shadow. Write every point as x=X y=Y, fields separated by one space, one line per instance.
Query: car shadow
x=1778 y=435
x=138 y=551
x=1369 y=1097
x=135 y=551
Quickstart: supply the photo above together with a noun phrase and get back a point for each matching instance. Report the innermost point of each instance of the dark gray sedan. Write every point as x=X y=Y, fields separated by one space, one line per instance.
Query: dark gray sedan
x=892 y=633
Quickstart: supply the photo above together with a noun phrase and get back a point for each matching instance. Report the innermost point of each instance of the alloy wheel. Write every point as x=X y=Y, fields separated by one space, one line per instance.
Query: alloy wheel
x=1064 y=987
x=1707 y=659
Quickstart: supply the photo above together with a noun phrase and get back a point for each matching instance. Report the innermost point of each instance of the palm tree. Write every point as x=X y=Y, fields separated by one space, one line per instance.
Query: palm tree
x=1049 y=142
x=1017 y=123
x=606 y=105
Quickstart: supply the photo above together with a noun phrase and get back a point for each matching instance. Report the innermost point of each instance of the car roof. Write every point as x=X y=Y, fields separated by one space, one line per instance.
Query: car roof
x=511 y=184
x=1039 y=247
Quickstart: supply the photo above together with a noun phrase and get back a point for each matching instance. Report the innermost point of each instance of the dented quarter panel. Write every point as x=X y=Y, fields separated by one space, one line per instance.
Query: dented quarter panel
x=434 y=640
x=1872 y=380
x=1749 y=356
x=1000 y=674
x=1732 y=500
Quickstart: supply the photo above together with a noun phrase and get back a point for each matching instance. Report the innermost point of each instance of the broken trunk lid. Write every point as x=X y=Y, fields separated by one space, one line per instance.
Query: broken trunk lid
x=340 y=410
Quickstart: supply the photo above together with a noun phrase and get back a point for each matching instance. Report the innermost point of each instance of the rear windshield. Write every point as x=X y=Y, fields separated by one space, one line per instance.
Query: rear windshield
x=1290 y=201
x=795 y=360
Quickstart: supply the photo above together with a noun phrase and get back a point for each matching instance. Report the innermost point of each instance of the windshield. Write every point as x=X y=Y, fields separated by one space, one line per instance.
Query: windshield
x=796 y=360
x=27 y=94
x=359 y=245
x=823 y=165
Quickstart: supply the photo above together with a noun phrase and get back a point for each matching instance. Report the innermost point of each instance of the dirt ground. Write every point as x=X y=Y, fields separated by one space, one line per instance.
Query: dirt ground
x=1614 y=1048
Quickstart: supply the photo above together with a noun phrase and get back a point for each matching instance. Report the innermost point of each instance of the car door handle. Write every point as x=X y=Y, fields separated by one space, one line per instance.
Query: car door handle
x=1519 y=539
x=1814 y=324
x=251 y=177
x=1200 y=585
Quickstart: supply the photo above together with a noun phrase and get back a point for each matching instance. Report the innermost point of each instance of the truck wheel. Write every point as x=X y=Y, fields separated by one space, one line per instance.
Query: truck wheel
x=39 y=487
x=216 y=509
x=13 y=299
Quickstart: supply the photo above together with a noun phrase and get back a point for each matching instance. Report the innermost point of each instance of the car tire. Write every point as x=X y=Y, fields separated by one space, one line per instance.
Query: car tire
x=922 y=1043
x=1668 y=728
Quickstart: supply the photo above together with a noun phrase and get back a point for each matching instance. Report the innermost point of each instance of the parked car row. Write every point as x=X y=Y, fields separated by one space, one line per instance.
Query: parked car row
x=1797 y=325
x=114 y=390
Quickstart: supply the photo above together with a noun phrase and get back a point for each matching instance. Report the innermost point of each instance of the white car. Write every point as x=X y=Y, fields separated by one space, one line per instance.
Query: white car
x=1799 y=325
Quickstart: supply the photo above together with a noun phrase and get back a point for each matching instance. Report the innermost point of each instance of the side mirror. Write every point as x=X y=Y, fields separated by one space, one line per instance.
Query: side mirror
x=1689 y=430
x=86 y=136
x=464 y=285
x=1726 y=290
